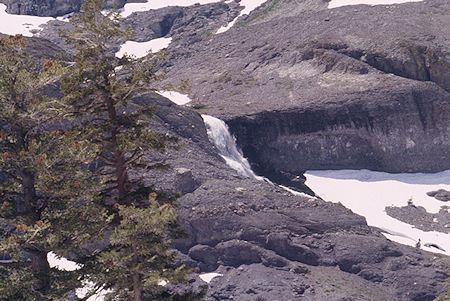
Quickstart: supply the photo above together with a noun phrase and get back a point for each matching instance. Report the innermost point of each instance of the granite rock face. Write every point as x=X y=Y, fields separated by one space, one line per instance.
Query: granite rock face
x=272 y=245
x=318 y=89
x=401 y=131
x=184 y=24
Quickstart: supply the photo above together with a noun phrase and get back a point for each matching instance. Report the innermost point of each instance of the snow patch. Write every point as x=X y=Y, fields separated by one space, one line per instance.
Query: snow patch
x=61 y=263
x=99 y=296
x=130 y=8
x=249 y=5
x=339 y=3
x=294 y=192
x=141 y=49
x=22 y=24
x=207 y=277
x=176 y=97
x=368 y=193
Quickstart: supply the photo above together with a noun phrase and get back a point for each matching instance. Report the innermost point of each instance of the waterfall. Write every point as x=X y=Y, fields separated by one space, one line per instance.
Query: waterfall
x=220 y=136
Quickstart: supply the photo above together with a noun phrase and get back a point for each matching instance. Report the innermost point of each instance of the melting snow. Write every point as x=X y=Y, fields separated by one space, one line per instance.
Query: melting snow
x=367 y=193
x=339 y=3
x=207 y=277
x=140 y=49
x=178 y=98
x=61 y=263
x=294 y=192
x=22 y=24
x=249 y=5
x=64 y=264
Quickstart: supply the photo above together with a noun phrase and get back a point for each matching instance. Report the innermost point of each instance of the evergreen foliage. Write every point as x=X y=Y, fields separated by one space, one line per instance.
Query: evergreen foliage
x=98 y=90
x=41 y=176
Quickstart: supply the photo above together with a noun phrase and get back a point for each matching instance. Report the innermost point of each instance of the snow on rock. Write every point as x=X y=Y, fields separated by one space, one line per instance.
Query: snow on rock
x=141 y=49
x=176 y=97
x=207 y=277
x=162 y=282
x=249 y=5
x=61 y=263
x=99 y=296
x=130 y=8
x=368 y=193
x=339 y=3
x=294 y=192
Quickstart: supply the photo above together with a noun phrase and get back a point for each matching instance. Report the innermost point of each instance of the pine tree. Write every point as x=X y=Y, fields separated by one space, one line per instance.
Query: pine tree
x=41 y=180
x=99 y=89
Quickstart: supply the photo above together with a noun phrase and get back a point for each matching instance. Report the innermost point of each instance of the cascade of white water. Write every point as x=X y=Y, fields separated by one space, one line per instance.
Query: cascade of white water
x=219 y=135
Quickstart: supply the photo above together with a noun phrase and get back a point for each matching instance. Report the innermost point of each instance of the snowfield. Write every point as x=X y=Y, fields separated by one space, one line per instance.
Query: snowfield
x=368 y=193
x=176 y=97
x=207 y=277
x=339 y=3
x=21 y=24
x=141 y=49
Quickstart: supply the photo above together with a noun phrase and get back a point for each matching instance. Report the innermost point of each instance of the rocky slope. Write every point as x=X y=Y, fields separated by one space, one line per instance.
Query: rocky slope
x=301 y=90
x=272 y=245
x=329 y=88
x=51 y=8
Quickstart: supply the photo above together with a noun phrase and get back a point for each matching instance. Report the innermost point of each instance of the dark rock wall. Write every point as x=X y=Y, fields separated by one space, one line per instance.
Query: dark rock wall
x=405 y=132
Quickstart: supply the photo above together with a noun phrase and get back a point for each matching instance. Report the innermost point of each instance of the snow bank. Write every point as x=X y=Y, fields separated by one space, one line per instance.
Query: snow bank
x=130 y=8
x=249 y=5
x=20 y=24
x=64 y=264
x=294 y=192
x=178 y=98
x=140 y=49
x=339 y=3
x=367 y=193
x=207 y=277
x=61 y=263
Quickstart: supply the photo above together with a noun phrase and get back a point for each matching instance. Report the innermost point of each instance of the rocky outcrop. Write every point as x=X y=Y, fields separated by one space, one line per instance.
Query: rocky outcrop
x=312 y=91
x=184 y=24
x=407 y=131
x=441 y=195
x=52 y=8
x=270 y=244
x=279 y=83
x=421 y=219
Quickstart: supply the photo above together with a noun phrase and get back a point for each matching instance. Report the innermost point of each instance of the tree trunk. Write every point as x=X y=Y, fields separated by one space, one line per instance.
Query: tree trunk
x=119 y=158
x=137 y=289
x=39 y=263
x=41 y=272
x=29 y=192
